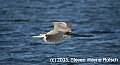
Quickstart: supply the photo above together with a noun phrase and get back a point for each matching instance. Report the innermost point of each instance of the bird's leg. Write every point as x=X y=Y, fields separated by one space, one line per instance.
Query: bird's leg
x=78 y=35
x=86 y=35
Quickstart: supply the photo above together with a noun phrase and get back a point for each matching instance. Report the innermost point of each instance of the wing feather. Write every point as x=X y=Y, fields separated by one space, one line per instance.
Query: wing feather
x=55 y=37
x=62 y=26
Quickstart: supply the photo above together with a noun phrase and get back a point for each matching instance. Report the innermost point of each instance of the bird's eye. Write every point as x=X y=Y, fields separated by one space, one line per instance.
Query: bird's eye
x=47 y=35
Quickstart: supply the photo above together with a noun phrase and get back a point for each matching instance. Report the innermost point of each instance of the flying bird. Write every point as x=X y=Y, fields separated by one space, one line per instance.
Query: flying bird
x=61 y=30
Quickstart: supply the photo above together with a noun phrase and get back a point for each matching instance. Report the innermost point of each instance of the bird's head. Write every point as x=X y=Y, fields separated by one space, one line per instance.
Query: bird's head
x=39 y=36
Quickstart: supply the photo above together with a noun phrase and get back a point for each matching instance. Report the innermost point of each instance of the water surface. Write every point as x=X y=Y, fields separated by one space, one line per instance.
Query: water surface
x=21 y=19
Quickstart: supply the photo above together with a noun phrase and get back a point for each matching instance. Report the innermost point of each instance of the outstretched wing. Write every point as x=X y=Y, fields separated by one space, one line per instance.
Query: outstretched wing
x=62 y=26
x=53 y=36
x=69 y=24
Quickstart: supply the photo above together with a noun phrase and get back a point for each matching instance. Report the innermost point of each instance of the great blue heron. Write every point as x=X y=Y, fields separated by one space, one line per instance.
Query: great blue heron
x=61 y=30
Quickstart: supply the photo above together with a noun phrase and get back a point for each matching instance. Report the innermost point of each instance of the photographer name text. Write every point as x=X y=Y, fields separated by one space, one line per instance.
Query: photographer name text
x=93 y=60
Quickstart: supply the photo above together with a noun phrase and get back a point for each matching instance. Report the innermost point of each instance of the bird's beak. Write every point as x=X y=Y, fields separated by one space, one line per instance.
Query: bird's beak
x=37 y=36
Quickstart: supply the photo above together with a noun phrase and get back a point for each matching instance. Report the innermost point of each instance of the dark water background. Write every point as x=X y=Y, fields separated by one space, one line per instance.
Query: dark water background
x=21 y=19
